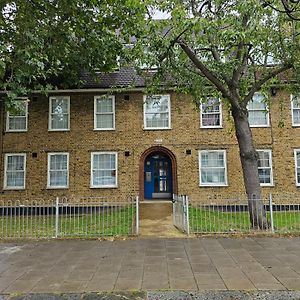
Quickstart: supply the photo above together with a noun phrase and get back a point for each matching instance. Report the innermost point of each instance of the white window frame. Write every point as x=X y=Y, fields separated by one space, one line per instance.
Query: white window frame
x=116 y=169
x=296 y=166
x=104 y=113
x=169 y=113
x=267 y=112
x=8 y=116
x=270 y=167
x=5 y=187
x=201 y=184
x=50 y=114
x=292 y=110
x=208 y=113
x=48 y=171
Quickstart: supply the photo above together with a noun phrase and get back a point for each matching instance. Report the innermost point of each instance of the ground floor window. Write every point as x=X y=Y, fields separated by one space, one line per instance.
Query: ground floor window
x=265 y=167
x=103 y=169
x=212 y=167
x=58 y=170
x=15 y=171
x=297 y=166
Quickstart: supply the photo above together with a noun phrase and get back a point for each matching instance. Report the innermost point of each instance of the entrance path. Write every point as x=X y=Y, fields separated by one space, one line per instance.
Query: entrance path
x=61 y=266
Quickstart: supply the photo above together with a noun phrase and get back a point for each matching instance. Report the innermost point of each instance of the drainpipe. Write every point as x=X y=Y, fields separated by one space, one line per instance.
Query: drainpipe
x=2 y=129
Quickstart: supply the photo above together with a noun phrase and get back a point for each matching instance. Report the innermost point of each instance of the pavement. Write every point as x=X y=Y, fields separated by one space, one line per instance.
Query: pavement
x=196 y=266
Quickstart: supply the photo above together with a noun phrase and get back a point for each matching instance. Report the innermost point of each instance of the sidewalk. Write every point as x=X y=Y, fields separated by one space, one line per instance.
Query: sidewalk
x=150 y=264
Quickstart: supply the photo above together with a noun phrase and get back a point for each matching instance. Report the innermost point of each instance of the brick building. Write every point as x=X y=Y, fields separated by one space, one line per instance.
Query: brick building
x=96 y=142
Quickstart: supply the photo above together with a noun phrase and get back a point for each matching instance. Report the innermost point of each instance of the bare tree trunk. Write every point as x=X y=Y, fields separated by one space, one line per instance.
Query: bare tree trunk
x=249 y=161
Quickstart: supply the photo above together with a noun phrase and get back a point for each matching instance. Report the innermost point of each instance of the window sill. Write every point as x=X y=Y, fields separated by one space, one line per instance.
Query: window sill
x=104 y=129
x=211 y=127
x=213 y=185
x=57 y=187
x=14 y=189
x=104 y=187
x=158 y=128
x=58 y=130
x=259 y=126
x=15 y=131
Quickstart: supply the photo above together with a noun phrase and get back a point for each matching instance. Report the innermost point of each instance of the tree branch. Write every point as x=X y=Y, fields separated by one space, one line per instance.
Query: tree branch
x=205 y=71
x=264 y=79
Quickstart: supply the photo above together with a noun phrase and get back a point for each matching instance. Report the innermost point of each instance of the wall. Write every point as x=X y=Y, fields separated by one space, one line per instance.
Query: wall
x=129 y=135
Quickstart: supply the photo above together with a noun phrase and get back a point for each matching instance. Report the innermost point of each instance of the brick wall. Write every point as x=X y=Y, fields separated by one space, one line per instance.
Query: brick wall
x=129 y=135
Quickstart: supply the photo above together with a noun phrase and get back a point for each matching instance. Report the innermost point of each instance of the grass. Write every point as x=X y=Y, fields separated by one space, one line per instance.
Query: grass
x=211 y=221
x=100 y=223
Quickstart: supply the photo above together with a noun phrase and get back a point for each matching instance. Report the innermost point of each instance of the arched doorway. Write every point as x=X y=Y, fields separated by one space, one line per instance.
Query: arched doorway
x=158 y=174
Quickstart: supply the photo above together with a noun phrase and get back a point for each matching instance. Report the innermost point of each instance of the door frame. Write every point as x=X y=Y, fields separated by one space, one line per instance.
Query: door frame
x=145 y=154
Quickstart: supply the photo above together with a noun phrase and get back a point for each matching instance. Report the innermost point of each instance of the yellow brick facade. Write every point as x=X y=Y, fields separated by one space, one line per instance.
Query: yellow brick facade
x=129 y=135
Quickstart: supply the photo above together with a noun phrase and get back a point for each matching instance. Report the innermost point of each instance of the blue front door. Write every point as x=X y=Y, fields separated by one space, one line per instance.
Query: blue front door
x=158 y=177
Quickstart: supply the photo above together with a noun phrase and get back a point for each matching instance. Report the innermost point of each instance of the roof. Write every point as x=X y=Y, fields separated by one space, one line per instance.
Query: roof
x=125 y=77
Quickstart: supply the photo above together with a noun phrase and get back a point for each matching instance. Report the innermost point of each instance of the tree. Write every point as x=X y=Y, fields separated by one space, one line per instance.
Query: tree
x=230 y=49
x=45 y=44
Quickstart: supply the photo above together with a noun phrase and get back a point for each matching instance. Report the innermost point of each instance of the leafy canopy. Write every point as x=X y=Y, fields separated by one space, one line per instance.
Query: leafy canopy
x=47 y=43
x=236 y=46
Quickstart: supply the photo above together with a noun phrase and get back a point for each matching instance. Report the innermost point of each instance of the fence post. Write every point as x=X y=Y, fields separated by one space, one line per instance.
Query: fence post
x=173 y=204
x=56 y=216
x=187 y=215
x=137 y=216
x=271 y=212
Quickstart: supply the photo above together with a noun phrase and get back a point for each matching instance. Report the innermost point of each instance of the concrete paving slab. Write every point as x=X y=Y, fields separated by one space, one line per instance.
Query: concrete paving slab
x=189 y=264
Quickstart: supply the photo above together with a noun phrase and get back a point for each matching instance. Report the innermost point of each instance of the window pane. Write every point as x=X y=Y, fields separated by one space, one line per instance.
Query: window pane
x=210 y=119
x=104 y=121
x=104 y=161
x=103 y=177
x=104 y=105
x=264 y=175
x=296 y=116
x=296 y=102
x=58 y=162
x=257 y=102
x=157 y=112
x=17 y=123
x=15 y=179
x=15 y=163
x=60 y=121
x=59 y=106
x=263 y=160
x=15 y=174
x=17 y=119
x=58 y=178
x=212 y=159
x=58 y=170
x=213 y=175
x=59 y=113
x=157 y=120
x=257 y=117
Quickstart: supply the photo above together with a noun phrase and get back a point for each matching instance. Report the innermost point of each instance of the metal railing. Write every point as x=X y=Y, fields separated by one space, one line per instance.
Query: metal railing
x=74 y=217
x=233 y=215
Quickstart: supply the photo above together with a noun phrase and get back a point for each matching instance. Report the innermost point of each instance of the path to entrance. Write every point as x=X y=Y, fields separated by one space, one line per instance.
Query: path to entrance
x=150 y=264
x=156 y=220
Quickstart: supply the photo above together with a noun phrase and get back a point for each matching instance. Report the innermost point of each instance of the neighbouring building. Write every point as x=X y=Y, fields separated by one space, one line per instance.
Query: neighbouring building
x=96 y=142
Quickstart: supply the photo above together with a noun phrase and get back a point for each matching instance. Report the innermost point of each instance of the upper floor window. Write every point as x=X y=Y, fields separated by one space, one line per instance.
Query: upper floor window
x=58 y=170
x=295 y=102
x=17 y=121
x=258 y=114
x=211 y=114
x=59 y=113
x=104 y=112
x=104 y=169
x=297 y=165
x=15 y=169
x=157 y=112
x=212 y=168
x=265 y=167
